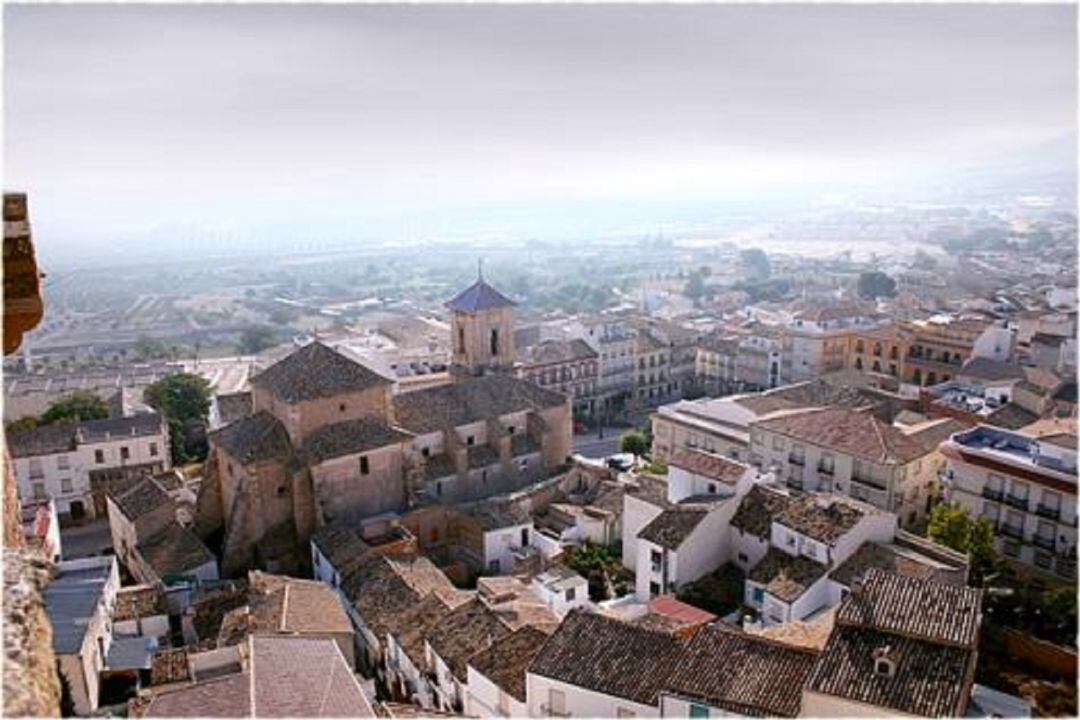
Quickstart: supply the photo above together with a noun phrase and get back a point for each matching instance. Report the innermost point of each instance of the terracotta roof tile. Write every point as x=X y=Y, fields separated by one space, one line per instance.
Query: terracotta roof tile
x=316 y=371
x=859 y=434
x=709 y=465
x=505 y=660
x=786 y=576
x=671 y=527
x=350 y=437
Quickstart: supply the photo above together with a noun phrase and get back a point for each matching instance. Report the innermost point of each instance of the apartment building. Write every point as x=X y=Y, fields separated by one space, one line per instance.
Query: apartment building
x=570 y=367
x=938 y=347
x=815 y=341
x=1025 y=484
x=654 y=384
x=77 y=465
x=853 y=453
x=615 y=342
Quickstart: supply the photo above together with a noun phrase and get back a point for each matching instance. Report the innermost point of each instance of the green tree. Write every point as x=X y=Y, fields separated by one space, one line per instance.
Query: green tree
x=873 y=285
x=23 y=424
x=695 y=287
x=257 y=338
x=147 y=348
x=78 y=406
x=634 y=442
x=184 y=401
x=754 y=264
x=953 y=527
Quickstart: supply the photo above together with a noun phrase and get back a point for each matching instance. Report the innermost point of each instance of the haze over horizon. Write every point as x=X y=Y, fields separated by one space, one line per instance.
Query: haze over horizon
x=130 y=124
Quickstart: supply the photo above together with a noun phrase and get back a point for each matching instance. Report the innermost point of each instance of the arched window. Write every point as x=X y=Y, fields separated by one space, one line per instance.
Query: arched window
x=494 y=342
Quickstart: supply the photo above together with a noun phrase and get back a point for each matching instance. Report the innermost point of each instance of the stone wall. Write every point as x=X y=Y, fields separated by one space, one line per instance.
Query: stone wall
x=31 y=684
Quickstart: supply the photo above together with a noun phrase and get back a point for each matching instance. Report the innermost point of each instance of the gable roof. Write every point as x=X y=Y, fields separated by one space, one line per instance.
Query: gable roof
x=786 y=576
x=708 y=465
x=254 y=438
x=757 y=509
x=472 y=400
x=350 y=437
x=922 y=609
x=145 y=496
x=45 y=440
x=505 y=660
x=983 y=368
x=559 y=351
x=174 y=551
x=822 y=518
x=463 y=632
x=316 y=371
x=672 y=526
x=477 y=297
x=290 y=605
x=743 y=674
x=859 y=434
x=608 y=656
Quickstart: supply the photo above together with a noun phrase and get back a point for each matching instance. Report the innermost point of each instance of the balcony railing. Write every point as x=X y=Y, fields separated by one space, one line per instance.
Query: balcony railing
x=1010 y=531
x=1017 y=502
x=826 y=469
x=991 y=494
x=868 y=482
x=796 y=459
x=1043 y=542
x=1052 y=513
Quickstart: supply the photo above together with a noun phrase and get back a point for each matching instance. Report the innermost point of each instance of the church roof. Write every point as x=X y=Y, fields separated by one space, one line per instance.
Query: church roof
x=316 y=371
x=479 y=296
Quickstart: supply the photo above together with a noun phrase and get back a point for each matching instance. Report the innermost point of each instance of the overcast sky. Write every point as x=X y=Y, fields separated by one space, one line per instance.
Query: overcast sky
x=124 y=118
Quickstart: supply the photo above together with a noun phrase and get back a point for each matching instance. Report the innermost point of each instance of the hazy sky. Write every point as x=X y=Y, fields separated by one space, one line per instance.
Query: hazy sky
x=120 y=119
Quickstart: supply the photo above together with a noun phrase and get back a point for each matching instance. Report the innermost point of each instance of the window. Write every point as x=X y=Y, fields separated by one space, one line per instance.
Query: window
x=461 y=339
x=438 y=488
x=470 y=441
x=654 y=589
x=698 y=711
x=791 y=540
x=743 y=559
x=657 y=560
x=153 y=449
x=426 y=452
x=62 y=462
x=125 y=453
x=510 y=429
x=281 y=491
x=494 y=342
x=99 y=456
x=65 y=485
x=364 y=469
x=493 y=566
x=341 y=407
x=778 y=443
x=624 y=713
x=571 y=594
x=712 y=488
x=758 y=594
x=39 y=491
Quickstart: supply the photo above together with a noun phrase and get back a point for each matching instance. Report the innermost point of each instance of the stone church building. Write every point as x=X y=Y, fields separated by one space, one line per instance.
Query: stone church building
x=331 y=440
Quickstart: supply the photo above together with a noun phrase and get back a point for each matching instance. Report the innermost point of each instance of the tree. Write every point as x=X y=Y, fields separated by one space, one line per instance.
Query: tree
x=23 y=424
x=754 y=264
x=953 y=527
x=873 y=285
x=695 y=287
x=634 y=442
x=257 y=338
x=78 y=406
x=184 y=401
x=147 y=348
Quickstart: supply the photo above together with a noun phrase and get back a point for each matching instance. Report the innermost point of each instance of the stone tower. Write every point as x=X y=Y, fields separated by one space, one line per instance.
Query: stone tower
x=481 y=330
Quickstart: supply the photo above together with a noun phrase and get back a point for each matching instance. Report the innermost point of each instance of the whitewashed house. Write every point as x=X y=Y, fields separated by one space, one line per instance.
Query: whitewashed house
x=496 y=675
x=561 y=589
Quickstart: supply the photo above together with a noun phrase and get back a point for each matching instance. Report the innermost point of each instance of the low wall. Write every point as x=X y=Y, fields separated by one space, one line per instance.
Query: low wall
x=1040 y=654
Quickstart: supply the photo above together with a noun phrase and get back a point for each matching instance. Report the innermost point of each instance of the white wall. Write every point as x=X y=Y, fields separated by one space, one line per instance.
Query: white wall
x=502 y=543
x=579 y=701
x=678 y=707
x=484 y=698
x=637 y=513
x=820 y=705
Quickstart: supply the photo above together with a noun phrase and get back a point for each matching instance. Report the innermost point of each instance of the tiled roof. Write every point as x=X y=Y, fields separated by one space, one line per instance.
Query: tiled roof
x=707 y=464
x=316 y=371
x=229 y=696
x=463 y=632
x=608 y=656
x=559 y=351
x=350 y=437
x=982 y=368
x=929 y=679
x=175 y=550
x=683 y=614
x=139 y=601
x=505 y=660
x=138 y=425
x=380 y=594
x=479 y=296
x=46 y=440
x=468 y=401
x=411 y=626
x=921 y=609
x=786 y=576
x=742 y=674
x=145 y=496
x=420 y=574
x=672 y=526
x=757 y=509
x=822 y=518
x=1011 y=417
x=257 y=437
x=842 y=430
x=897 y=560
x=233 y=406
x=290 y=605
x=339 y=544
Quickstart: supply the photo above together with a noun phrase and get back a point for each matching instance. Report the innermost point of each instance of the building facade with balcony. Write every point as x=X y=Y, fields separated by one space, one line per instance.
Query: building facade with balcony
x=1026 y=486
x=852 y=453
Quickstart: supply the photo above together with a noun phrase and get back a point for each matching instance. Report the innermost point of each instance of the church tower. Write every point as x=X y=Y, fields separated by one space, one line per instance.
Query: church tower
x=481 y=330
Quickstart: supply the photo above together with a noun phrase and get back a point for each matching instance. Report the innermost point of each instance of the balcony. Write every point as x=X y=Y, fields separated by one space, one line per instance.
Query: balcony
x=826 y=469
x=872 y=484
x=796 y=459
x=991 y=494
x=1066 y=567
x=1017 y=502
x=1051 y=513
x=794 y=483
x=1043 y=542
x=1010 y=531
